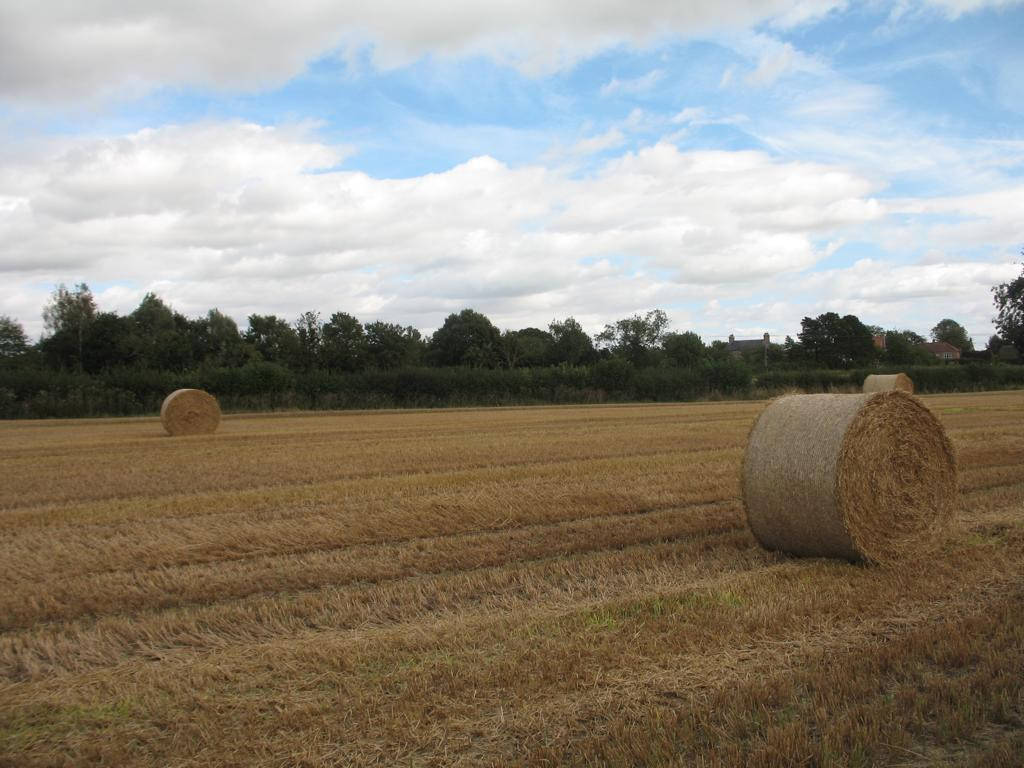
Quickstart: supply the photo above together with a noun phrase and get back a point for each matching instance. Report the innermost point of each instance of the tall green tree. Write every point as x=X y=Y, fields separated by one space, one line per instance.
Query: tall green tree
x=951 y=332
x=13 y=341
x=344 y=343
x=107 y=342
x=160 y=338
x=310 y=333
x=526 y=348
x=836 y=342
x=218 y=340
x=570 y=344
x=793 y=351
x=536 y=347
x=511 y=347
x=635 y=338
x=66 y=319
x=683 y=349
x=390 y=345
x=1009 y=301
x=272 y=339
x=467 y=338
x=902 y=348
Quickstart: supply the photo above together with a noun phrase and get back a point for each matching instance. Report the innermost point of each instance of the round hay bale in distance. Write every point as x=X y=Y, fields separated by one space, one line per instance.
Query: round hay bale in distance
x=190 y=412
x=881 y=382
x=868 y=477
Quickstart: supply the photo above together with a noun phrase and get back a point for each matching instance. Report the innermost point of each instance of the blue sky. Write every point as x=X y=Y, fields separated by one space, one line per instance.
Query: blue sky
x=740 y=167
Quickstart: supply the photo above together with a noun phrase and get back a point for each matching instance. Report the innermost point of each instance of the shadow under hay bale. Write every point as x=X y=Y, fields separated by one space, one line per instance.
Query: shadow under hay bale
x=879 y=382
x=867 y=477
x=190 y=412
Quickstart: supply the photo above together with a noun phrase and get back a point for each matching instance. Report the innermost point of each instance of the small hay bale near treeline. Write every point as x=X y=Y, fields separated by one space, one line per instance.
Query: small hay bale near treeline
x=869 y=477
x=190 y=412
x=882 y=382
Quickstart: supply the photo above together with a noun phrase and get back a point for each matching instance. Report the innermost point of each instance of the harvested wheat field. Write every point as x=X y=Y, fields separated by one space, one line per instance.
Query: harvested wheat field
x=536 y=587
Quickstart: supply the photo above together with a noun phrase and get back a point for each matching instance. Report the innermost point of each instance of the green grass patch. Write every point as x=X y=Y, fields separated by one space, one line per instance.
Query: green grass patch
x=42 y=723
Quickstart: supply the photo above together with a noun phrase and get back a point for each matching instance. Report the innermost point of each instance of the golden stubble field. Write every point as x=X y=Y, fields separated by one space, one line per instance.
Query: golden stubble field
x=536 y=586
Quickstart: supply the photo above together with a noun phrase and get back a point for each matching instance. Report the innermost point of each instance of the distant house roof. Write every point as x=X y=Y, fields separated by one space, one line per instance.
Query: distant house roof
x=941 y=348
x=747 y=345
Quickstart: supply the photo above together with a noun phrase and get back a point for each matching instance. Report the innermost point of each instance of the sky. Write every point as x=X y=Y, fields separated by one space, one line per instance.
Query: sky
x=740 y=164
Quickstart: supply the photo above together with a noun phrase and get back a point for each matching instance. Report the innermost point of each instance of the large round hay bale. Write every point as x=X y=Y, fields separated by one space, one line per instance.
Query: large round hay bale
x=863 y=477
x=882 y=382
x=190 y=412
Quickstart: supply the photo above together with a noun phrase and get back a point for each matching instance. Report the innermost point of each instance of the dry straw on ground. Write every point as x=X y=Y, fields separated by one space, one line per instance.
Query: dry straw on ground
x=532 y=587
x=190 y=412
x=877 y=382
x=863 y=477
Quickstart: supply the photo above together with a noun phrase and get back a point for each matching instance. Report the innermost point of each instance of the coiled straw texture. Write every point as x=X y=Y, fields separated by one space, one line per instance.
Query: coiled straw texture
x=190 y=412
x=868 y=477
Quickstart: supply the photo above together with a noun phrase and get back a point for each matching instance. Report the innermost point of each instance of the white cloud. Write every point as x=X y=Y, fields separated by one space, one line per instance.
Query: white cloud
x=633 y=86
x=808 y=11
x=888 y=145
x=773 y=65
x=696 y=115
x=946 y=225
x=914 y=296
x=699 y=116
x=67 y=50
x=839 y=100
x=775 y=59
x=246 y=218
x=880 y=282
x=952 y=8
x=610 y=139
x=879 y=292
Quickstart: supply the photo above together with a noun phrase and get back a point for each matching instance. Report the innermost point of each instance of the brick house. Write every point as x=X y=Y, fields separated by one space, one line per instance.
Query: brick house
x=942 y=350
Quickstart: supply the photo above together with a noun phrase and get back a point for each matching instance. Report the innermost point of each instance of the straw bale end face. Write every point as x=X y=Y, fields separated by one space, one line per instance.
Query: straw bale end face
x=190 y=412
x=868 y=477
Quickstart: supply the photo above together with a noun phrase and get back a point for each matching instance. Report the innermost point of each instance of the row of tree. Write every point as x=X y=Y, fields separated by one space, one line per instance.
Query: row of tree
x=80 y=337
